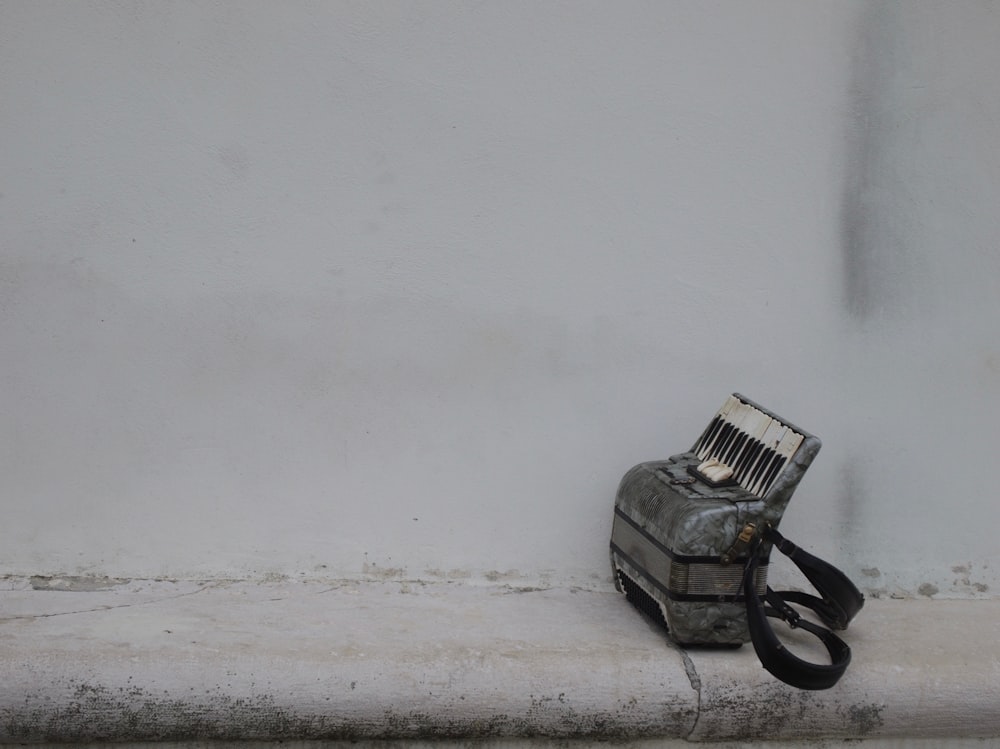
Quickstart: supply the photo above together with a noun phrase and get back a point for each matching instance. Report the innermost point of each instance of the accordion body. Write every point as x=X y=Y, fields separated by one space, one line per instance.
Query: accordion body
x=680 y=537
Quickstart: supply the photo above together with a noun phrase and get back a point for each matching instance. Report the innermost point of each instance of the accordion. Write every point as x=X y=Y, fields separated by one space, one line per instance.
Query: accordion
x=684 y=527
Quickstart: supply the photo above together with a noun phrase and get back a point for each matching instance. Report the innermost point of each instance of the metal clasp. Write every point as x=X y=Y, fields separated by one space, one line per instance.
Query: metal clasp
x=790 y=615
x=742 y=543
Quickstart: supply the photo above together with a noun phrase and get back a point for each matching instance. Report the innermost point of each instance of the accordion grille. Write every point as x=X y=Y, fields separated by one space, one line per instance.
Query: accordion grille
x=641 y=599
x=645 y=492
x=710 y=579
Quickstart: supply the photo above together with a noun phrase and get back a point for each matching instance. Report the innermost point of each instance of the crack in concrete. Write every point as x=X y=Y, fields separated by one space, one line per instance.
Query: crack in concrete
x=109 y=607
x=692 y=674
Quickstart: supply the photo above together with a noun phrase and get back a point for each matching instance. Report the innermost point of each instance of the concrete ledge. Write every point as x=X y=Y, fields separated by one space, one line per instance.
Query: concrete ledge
x=162 y=661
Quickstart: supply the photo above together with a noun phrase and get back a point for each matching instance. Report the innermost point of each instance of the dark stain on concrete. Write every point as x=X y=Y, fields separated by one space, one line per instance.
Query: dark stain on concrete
x=865 y=718
x=763 y=714
x=94 y=713
x=778 y=712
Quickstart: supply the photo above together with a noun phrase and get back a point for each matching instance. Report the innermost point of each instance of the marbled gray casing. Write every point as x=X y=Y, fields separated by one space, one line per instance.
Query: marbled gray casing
x=670 y=531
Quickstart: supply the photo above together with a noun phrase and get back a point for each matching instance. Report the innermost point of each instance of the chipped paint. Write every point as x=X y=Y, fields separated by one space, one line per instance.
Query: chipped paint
x=373 y=571
x=495 y=576
x=76 y=583
x=964 y=583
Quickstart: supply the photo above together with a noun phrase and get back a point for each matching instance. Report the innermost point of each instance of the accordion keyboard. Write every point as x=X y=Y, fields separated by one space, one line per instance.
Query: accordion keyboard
x=756 y=446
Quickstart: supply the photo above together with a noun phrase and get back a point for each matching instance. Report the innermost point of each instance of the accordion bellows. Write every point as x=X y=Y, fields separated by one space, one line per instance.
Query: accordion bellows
x=676 y=547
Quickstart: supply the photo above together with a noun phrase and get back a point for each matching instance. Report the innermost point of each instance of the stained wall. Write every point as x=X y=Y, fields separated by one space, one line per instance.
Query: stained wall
x=401 y=290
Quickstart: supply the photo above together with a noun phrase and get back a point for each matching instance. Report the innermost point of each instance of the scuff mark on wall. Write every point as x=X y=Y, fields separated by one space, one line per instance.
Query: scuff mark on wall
x=928 y=589
x=852 y=492
x=965 y=583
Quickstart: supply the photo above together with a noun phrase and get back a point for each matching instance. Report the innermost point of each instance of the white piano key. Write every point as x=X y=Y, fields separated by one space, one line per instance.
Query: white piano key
x=754 y=445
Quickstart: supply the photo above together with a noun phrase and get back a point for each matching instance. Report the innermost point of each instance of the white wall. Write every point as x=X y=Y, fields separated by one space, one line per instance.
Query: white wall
x=341 y=289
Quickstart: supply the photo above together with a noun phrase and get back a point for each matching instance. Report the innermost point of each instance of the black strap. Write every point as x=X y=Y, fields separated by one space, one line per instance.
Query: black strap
x=840 y=600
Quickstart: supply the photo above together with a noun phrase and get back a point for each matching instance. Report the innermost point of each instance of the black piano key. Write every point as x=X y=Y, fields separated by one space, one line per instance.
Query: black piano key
x=725 y=447
x=753 y=479
x=742 y=459
x=753 y=470
x=746 y=460
x=724 y=431
x=709 y=436
x=717 y=432
x=725 y=440
x=772 y=474
x=698 y=443
x=734 y=448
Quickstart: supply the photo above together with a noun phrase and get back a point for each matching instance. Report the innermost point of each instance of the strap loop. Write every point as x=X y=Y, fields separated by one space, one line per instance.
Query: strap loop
x=841 y=600
x=781 y=609
x=839 y=603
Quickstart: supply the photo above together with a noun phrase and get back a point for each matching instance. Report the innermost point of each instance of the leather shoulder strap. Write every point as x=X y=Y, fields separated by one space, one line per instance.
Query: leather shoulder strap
x=839 y=603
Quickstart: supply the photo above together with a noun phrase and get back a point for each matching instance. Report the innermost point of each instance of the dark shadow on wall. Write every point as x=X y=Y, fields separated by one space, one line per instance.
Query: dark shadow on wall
x=877 y=263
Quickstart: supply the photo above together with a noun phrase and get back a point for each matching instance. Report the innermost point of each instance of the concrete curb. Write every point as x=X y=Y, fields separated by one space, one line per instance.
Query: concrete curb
x=161 y=661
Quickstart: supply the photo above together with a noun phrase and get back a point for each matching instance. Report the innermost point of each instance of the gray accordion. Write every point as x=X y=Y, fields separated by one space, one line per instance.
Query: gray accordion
x=682 y=526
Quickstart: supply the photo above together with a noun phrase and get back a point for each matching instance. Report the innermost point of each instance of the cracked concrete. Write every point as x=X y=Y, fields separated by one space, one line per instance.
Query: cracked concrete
x=130 y=600
x=236 y=661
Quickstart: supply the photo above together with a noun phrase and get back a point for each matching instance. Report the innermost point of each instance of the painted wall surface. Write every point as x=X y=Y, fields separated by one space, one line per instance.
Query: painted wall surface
x=402 y=289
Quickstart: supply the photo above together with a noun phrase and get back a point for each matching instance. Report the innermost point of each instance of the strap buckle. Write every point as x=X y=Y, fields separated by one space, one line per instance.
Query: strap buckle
x=786 y=612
